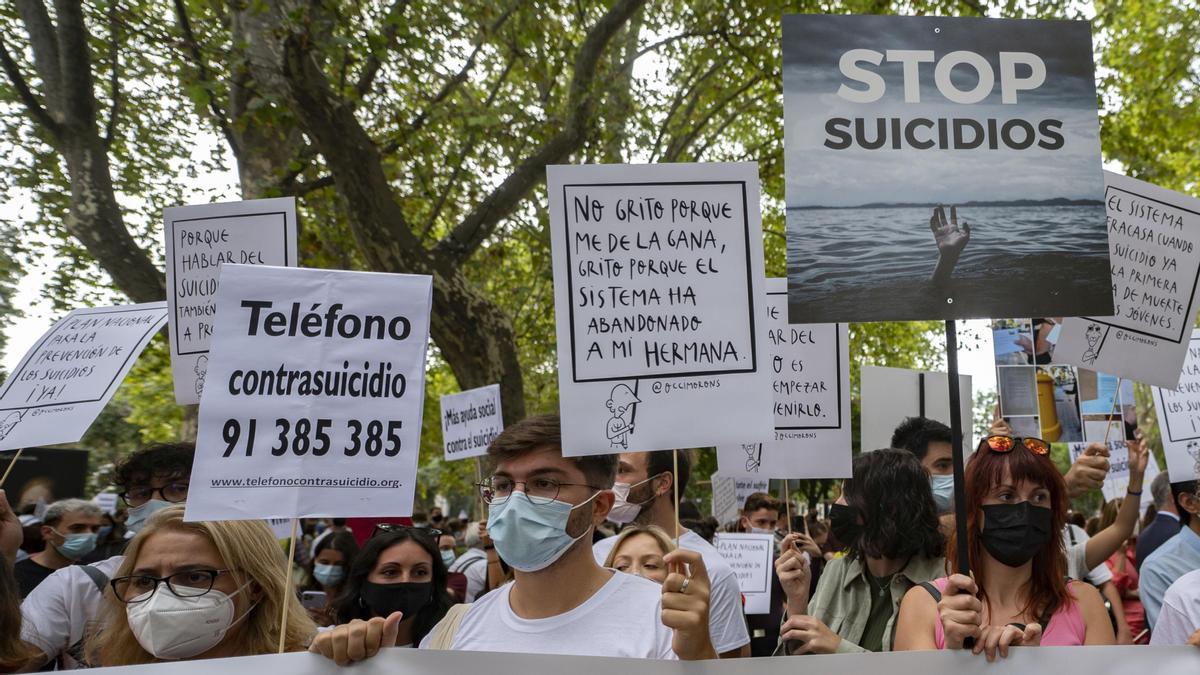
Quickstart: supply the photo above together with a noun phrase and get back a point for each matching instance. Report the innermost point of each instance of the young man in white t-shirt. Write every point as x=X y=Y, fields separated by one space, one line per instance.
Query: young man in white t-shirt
x=543 y=508
x=65 y=609
x=645 y=496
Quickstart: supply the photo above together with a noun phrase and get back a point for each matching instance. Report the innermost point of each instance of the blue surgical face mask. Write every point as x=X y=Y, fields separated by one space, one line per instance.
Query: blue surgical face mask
x=76 y=545
x=943 y=491
x=531 y=537
x=328 y=575
x=447 y=557
x=139 y=514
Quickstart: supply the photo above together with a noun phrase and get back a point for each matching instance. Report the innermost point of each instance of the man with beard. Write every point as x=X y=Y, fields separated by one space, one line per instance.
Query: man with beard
x=644 y=492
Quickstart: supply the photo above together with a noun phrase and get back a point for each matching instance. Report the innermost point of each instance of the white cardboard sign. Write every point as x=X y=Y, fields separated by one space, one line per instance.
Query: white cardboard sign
x=810 y=370
x=730 y=493
x=66 y=379
x=658 y=288
x=318 y=389
x=752 y=557
x=470 y=420
x=1117 y=481
x=1179 y=417
x=1154 y=248
x=891 y=394
x=199 y=239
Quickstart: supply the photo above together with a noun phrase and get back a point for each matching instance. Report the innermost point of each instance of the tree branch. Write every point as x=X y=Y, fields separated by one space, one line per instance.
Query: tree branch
x=470 y=233
x=45 y=51
x=35 y=110
x=114 y=83
x=676 y=148
x=75 y=66
x=193 y=47
x=371 y=68
x=448 y=87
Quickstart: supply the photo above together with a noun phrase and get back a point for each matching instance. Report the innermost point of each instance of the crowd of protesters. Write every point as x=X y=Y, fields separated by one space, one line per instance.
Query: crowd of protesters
x=596 y=555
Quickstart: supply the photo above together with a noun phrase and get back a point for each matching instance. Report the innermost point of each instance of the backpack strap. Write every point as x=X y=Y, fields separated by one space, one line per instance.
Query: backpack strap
x=444 y=632
x=97 y=577
x=937 y=595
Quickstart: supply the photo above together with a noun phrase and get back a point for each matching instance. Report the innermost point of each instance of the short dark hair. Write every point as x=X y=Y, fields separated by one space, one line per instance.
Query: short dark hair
x=1179 y=489
x=688 y=510
x=761 y=500
x=663 y=461
x=890 y=490
x=166 y=461
x=916 y=433
x=545 y=431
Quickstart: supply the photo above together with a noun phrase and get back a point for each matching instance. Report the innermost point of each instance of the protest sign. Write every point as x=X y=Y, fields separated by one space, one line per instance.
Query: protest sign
x=889 y=395
x=1058 y=403
x=1117 y=481
x=470 y=420
x=888 y=118
x=107 y=501
x=280 y=527
x=1154 y=240
x=730 y=493
x=199 y=239
x=658 y=292
x=61 y=385
x=1179 y=417
x=319 y=388
x=1094 y=660
x=752 y=557
x=810 y=369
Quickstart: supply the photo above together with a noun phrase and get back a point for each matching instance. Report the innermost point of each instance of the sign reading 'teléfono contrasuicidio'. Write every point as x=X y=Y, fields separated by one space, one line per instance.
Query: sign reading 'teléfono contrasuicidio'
x=315 y=394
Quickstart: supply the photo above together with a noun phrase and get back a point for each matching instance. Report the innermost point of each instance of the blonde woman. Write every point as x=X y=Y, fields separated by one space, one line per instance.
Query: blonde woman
x=198 y=591
x=639 y=550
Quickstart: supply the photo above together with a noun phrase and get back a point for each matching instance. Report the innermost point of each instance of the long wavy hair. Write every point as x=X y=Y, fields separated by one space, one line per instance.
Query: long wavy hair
x=987 y=469
x=349 y=605
x=250 y=551
x=889 y=490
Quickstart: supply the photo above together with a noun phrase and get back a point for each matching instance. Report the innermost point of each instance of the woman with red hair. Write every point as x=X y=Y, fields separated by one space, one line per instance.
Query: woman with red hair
x=1016 y=506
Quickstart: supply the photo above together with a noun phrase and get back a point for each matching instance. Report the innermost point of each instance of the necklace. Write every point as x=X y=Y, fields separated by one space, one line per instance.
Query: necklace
x=884 y=582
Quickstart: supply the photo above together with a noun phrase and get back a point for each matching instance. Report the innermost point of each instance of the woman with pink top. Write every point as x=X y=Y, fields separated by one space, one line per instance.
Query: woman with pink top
x=1016 y=506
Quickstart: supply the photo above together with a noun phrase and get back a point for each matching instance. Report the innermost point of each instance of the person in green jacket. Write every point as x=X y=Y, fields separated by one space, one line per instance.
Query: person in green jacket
x=888 y=522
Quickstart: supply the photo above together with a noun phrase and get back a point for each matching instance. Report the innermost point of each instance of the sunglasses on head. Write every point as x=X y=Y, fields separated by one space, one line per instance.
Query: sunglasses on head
x=431 y=533
x=1006 y=444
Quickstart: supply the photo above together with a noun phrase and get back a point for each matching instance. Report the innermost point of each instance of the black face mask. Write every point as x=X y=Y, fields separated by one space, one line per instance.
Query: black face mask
x=406 y=598
x=843 y=522
x=1014 y=533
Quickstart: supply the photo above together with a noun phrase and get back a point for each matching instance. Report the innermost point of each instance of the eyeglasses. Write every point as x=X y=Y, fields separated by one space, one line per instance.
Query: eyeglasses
x=429 y=532
x=171 y=492
x=187 y=584
x=1006 y=443
x=537 y=490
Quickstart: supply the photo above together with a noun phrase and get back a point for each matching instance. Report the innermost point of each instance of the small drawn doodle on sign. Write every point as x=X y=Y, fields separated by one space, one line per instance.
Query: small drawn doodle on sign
x=622 y=403
x=201 y=369
x=10 y=421
x=753 y=456
x=1094 y=334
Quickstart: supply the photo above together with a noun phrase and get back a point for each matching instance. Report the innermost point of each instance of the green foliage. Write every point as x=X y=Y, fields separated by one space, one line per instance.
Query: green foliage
x=463 y=93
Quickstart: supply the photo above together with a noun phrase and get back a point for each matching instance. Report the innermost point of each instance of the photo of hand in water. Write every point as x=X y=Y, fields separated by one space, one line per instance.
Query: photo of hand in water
x=906 y=203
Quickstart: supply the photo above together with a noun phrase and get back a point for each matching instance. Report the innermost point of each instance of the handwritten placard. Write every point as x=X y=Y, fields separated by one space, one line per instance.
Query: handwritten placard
x=658 y=278
x=752 y=558
x=199 y=239
x=470 y=421
x=1154 y=248
x=729 y=493
x=1179 y=417
x=69 y=375
x=810 y=367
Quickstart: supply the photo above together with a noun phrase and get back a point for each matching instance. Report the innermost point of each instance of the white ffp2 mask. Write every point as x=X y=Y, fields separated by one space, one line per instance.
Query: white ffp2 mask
x=171 y=627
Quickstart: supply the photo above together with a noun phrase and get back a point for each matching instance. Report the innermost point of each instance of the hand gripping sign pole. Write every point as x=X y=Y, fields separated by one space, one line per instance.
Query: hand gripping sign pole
x=956 y=437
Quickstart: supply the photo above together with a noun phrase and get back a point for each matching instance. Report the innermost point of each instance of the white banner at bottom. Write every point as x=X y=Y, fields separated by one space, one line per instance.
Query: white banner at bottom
x=1028 y=661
